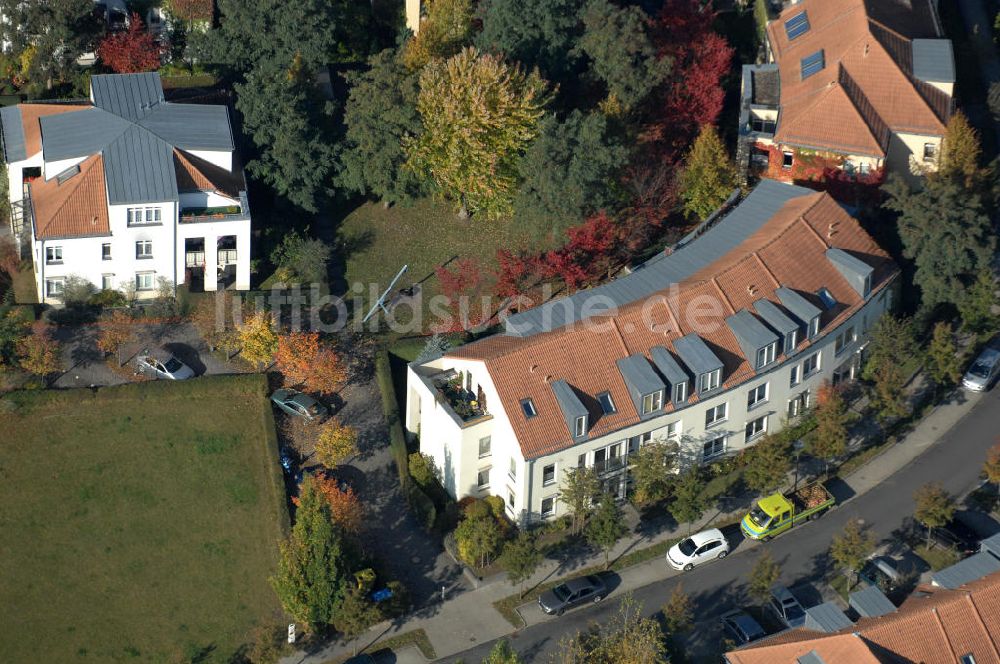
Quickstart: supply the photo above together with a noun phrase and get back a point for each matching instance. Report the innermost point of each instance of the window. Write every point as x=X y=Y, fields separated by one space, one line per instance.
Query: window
x=827 y=298
x=636 y=441
x=757 y=396
x=580 y=426
x=106 y=280
x=844 y=372
x=144 y=281
x=791 y=340
x=797 y=26
x=930 y=151
x=510 y=499
x=484 y=446
x=581 y=461
x=548 y=506
x=793 y=376
x=787 y=159
x=798 y=404
x=766 y=355
x=607 y=403
x=844 y=339
x=106 y=251
x=867 y=287
x=680 y=392
x=812 y=64
x=811 y=365
x=714 y=448
x=674 y=430
x=652 y=402
x=144 y=249
x=139 y=216
x=716 y=414
x=68 y=173
x=54 y=287
x=756 y=427
x=814 y=327
x=549 y=475
x=53 y=255
x=763 y=125
x=483 y=478
x=528 y=406
x=512 y=469
x=710 y=380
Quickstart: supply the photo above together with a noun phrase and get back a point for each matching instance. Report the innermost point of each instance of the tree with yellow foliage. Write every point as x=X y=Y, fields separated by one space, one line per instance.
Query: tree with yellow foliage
x=258 y=339
x=336 y=443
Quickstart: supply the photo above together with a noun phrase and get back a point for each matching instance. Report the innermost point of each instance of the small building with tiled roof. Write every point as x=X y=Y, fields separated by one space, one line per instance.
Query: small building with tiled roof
x=127 y=191
x=712 y=345
x=858 y=85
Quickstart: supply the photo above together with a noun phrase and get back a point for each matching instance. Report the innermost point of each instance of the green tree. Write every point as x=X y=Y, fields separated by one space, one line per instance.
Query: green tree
x=444 y=31
x=569 y=172
x=768 y=464
x=851 y=548
x=521 y=558
x=893 y=344
x=622 y=55
x=357 y=612
x=627 y=639
x=888 y=397
x=478 y=540
x=301 y=259
x=960 y=152
x=976 y=307
x=605 y=527
x=763 y=576
x=829 y=439
x=478 y=115
x=311 y=570
x=653 y=470
x=946 y=231
x=934 y=507
x=678 y=612
x=381 y=110
x=942 y=356
x=502 y=653
x=991 y=467
x=689 y=500
x=579 y=490
x=709 y=175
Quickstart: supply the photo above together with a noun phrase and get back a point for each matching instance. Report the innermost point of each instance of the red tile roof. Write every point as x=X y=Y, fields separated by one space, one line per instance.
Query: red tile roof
x=195 y=174
x=77 y=207
x=30 y=116
x=866 y=87
x=789 y=250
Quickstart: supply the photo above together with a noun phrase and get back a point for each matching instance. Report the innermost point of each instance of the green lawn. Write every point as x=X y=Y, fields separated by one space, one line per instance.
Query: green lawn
x=139 y=522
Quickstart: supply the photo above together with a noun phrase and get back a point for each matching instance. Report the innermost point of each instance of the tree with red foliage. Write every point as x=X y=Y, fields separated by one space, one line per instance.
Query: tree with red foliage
x=305 y=361
x=132 y=51
x=588 y=253
x=462 y=286
x=517 y=273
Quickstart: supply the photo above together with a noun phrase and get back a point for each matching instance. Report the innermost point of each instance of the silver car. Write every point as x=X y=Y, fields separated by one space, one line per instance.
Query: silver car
x=786 y=608
x=299 y=404
x=983 y=372
x=162 y=365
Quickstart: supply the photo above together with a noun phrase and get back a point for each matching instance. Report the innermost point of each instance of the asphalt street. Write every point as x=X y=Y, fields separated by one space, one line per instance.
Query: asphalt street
x=715 y=588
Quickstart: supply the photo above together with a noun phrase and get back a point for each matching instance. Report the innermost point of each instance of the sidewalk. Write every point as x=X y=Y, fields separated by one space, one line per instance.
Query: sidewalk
x=469 y=618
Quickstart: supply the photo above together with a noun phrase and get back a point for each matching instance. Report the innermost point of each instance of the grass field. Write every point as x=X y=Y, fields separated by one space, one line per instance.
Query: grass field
x=140 y=523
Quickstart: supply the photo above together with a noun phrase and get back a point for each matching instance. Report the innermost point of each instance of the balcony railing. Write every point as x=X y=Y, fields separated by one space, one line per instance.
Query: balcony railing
x=201 y=215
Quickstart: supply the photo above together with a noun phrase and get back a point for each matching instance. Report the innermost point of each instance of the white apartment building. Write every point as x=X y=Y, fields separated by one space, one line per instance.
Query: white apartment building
x=128 y=189
x=712 y=345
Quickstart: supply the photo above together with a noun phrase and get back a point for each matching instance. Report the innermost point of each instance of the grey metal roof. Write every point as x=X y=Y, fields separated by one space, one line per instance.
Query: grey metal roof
x=852 y=268
x=751 y=334
x=191 y=126
x=933 y=60
x=640 y=379
x=139 y=168
x=130 y=96
x=79 y=134
x=661 y=271
x=775 y=317
x=971 y=569
x=668 y=366
x=811 y=657
x=826 y=617
x=799 y=306
x=870 y=602
x=991 y=544
x=12 y=133
x=696 y=354
x=569 y=404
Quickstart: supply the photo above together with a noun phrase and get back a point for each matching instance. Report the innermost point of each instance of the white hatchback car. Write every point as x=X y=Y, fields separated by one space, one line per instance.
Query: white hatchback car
x=697 y=549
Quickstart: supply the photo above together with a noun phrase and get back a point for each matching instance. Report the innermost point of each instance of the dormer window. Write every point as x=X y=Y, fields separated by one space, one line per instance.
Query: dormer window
x=814 y=327
x=829 y=301
x=528 y=406
x=607 y=403
x=791 y=340
x=709 y=381
x=652 y=402
x=680 y=392
x=581 y=427
x=766 y=355
x=867 y=288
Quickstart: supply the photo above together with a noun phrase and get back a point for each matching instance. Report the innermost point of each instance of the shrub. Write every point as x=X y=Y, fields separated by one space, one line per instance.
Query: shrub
x=497 y=507
x=107 y=298
x=477 y=509
x=301 y=259
x=422 y=469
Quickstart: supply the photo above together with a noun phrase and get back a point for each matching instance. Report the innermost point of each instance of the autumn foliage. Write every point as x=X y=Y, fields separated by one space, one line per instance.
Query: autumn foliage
x=132 y=51
x=345 y=507
x=336 y=443
x=305 y=360
x=117 y=330
x=38 y=352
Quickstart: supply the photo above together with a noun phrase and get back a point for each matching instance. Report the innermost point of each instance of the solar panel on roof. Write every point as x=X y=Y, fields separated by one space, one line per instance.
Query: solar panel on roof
x=812 y=64
x=797 y=26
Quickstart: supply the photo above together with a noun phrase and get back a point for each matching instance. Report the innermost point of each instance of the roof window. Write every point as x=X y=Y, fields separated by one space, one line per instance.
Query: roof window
x=829 y=301
x=797 y=26
x=528 y=406
x=68 y=173
x=607 y=403
x=813 y=64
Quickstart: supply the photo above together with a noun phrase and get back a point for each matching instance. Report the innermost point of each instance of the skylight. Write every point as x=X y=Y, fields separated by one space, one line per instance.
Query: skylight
x=607 y=404
x=68 y=173
x=812 y=64
x=829 y=301
x=528 y=406
x=797 y=26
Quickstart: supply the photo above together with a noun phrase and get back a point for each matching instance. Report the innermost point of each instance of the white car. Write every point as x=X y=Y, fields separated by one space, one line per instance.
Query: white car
x=983 y=372
x=162 y=365
x=697 y=549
